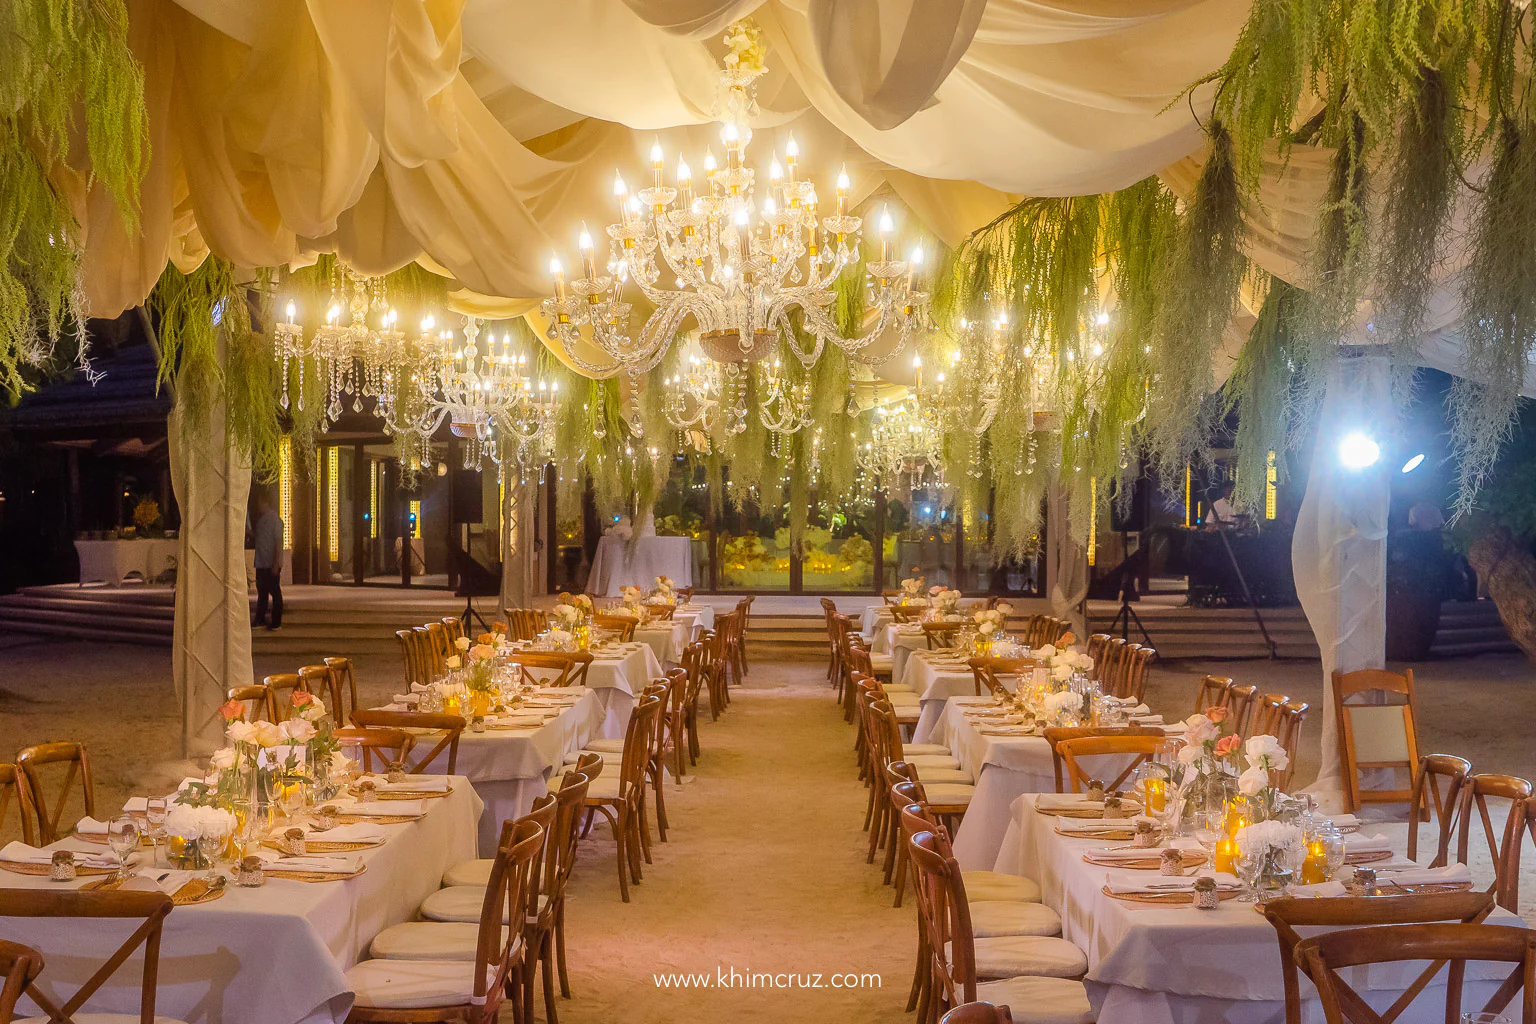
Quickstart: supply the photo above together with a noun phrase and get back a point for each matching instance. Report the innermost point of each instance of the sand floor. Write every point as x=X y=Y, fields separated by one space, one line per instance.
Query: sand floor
x=764 y=871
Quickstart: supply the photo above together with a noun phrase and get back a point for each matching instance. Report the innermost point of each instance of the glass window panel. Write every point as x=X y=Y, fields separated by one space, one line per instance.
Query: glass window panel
x=924 y=526
x=839 y=547
x=753 y=548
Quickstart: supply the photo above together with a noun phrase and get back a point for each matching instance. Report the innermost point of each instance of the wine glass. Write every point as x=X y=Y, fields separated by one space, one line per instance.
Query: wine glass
x=1333 y=848
x=155 y=810
x=1482 y=1017
x=123 y=837
x=211 y=846
x=291 y=799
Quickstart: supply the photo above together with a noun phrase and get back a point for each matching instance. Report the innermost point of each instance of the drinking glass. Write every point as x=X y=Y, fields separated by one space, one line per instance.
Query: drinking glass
x=155 y=810
x=1482 y=1017
x=1333 y=848
x=211 y=846
x=123 y=837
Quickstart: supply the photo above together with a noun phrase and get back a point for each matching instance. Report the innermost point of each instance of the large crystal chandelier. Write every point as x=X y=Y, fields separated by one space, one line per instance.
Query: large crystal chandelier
x=745 y=265
x=359 y=350
x=904 y=440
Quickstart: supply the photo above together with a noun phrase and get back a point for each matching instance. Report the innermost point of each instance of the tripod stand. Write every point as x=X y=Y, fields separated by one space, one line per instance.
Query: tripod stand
x=1126 y=615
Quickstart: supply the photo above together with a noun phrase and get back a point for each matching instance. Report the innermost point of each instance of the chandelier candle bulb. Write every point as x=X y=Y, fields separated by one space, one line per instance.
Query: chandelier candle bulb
x=886 y=224
x=657 y=162
x=791 y=154
x=842 y=192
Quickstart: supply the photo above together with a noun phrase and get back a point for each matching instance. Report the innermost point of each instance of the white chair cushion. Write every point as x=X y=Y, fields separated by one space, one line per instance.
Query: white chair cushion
x=469 y=872
x=462 y=903
x=607 y=746
x=433 y=940
x=897 y=688
x=931 y=777
x=901 y=699
x=949 y=794
x=991 y=918
x=881 y=662
x=984 y=886
x=1039 y=1000
x=605 y=786
x=923 y=749
x=104 y=1018
x=405 y=984
x=1041 y=956
x=929 y=760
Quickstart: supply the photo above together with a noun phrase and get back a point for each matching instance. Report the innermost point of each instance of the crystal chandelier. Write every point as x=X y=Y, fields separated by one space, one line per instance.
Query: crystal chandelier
x=751 y=266
x=904 y=439
x=485 y=395
x=359 y=350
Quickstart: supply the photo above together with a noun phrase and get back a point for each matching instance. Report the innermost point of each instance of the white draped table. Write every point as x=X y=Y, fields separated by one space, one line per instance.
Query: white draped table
x=615 y=565
x=112 y=561
x=695 y=616
x=935 y=679
x=615 y=676
x=273 y=955
x=1178 y=965
x=666 y=639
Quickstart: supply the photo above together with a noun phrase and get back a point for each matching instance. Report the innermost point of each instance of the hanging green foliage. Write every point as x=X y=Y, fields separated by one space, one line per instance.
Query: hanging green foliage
x=1264 y=392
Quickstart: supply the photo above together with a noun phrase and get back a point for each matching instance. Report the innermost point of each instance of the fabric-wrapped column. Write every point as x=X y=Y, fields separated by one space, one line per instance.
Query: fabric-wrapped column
x=519 y=528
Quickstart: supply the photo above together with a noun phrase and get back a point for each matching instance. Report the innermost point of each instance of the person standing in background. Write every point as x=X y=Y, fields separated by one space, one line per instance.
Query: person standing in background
x=267 y=535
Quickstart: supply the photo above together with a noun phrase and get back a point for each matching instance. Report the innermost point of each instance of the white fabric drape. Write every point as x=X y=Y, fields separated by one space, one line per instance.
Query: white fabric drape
x=1339 y=550
x=518 y=530
x=1066 y=562
x=211 y=645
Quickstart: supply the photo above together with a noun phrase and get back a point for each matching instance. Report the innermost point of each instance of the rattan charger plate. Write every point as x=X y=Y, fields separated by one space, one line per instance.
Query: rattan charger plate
x=1174 y=898
x=311 y=876
x=1367 y=856
x=1070 y=812
x=378 y=818
x=1151 y=862
x=322 y=846
x=1110 y=834
x=45 y=869
x=191 y=893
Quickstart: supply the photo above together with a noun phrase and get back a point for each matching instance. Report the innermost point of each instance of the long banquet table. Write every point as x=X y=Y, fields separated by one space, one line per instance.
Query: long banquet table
x=273 y=955
x=1178 y=965
x=616 y=675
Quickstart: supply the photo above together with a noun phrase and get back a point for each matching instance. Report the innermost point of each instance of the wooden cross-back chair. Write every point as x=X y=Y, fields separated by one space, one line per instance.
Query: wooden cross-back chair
x=453 y=626
x=723 y=659
x=1288 y=914
x=1134 y=668
x=569 y=667
x=150 y=908
x=35 y=763
x=1267 y=714
x=13 y=786
x=1212 y=692
x=343 y=687
x=1138 y=750
x=255 y=701
x=620 y=624
x=316 y=680
x=282 y=687
x=544 y=928
x=439 y=646
x=1511 y=895
x=1430 y=804
x=382 y=745
x=828 y=610
x=1292 y=716
x=1055 y=735
x=525 y=623
x=1240 y=701
x=1327 y=959
x=941 y=635
x=1501 y=840
x=410 y=657
x=1111 y=667
x=984 y=672
x=447 y=729
x=905 y=613
x=1373 y=734
x=662 y=612
x=622 y=801
x=1097 y=644
x=695 y=662
x=19 y=967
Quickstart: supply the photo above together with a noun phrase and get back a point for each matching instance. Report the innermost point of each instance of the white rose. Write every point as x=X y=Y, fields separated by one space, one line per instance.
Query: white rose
x=1252 y=781
x=1189 y=753
x=1198 y=729
x=241 y=732
x=462 y=643
x=298 y=730
x=1260 y=749
x=340 y=764
x=222 y=759
x=455 y=663
x=313 y=711
x=267 y=734
x=1048 y=651
x=1004 y=609
x=1061 y=673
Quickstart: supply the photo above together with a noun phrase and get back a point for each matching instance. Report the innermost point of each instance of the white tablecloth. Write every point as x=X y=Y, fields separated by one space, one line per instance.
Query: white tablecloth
x=696 y=616
x=1161 y=965
x=510 y=768
x=666 y=639
x=273 y=955
x=873 y=617
x=614 y=566
x=111 y=561
x=935 y=680
x=615 y=677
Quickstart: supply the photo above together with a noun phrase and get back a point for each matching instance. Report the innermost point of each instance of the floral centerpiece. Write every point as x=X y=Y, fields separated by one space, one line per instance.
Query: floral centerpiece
x=630 y=597
x=1264 y=755
x=664 y=593
x=945 y=602
x=1269 y=854
x=1063 y=707
x=912 y=589
x=1063 y=661
x=565 y=616
x=990 y=621
x=479 y=675
x=146 y=517
x=561 y=639
x=186 y=823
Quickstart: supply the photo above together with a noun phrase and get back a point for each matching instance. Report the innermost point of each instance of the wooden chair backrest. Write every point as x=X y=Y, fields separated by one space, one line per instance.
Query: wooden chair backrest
x=978 y=1013
x=282 y=687
x=685 y=594
x=1327 y=958
x=13 y=785
x=620 y=624
x=695 y=661
x=506 y=899
x=945 y=914
x=1240 y=701
x=1435 y=806
x=940 y=635
x=378 y=744
x=1111 y=666
x=1097 y=644
x=441 y=645
x=34 y=762
x=1374 y=734
x=453 y=626
x=1292 y=716
x=1055 y=735
x=525 y=623
x=19 y=966
x=447 y=727
x=1135 y=667
x=1512 y=870
x=560 y=848
x=543 y=813
x=663 y=612
x=1212 y=692
x=343 y=685
x=316 y=680
x=410 y=656
x=150 y=907
x=901 y=613
x=1138 y=748
x=1501 y=840
x=570 y=667
x=984 y=671
x=1267 y=713
x=639 y=736
x=1287 y=914
x=256 y=700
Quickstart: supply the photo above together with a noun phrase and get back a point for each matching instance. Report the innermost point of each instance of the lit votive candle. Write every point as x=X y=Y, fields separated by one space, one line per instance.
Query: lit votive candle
x=1226 y=856
x=1314 y=869
x=1157 y=795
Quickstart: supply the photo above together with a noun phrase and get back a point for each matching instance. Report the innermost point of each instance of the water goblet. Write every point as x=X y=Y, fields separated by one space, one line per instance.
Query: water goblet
x=211 y=846
x=1483 y=1017
x=123 y=838
x=155 y=810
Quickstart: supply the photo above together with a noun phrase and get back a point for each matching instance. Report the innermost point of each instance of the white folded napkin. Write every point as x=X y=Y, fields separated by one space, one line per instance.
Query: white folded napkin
x=1424 y=876
x=1141 y=709
x=18 y=852
x=1127 y=853
x=1137 y=883
x=1319 y=890
x=519 y=721
x=1366 y=844
x=153 y=882
x=1146 y=719
x=379 y=808
x=404 y=698
x=413 y=784
x=362 y=832
x=1344 y=820
x=138 y=804
x=421 y=687
x=1075 y=801
x=89 y=826
x=1093 y=825
x=330 y=864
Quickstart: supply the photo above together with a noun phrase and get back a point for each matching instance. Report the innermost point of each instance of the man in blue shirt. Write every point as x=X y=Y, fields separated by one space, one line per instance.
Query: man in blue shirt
x=268 y=536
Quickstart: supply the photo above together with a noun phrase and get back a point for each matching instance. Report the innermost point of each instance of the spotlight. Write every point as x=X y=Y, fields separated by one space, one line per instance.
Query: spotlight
x=1357 y=451
x=1413 y=463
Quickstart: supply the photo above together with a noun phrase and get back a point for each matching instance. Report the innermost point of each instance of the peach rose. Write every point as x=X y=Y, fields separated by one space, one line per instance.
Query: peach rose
x=1066 y=641
x=1228 y=745
x=300 y=698
x=482 y=652
x=232 y=710
x=1217 y=714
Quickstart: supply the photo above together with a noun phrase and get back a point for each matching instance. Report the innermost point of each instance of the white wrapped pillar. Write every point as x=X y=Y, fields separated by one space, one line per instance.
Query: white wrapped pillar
x=1339 y=550
x=519 y=529
x=1066 y=562
x=211 y=647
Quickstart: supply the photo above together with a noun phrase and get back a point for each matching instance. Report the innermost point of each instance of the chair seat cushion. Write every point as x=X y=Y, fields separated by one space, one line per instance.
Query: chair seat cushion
x=461 y=904
x=902 y=698
x=104 y=1018
x=406 y=984
x=434 y=940
x=1039 y=1000
x=1042 y=956
x=604 y=787
x=949 y=794
x=990 y=918
x=912 y=750
x=929 y=760
x=469 y=872
x=881 y=662
x=607 y=746
x=931 y=777
x=897 y=688
x=984 y=886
